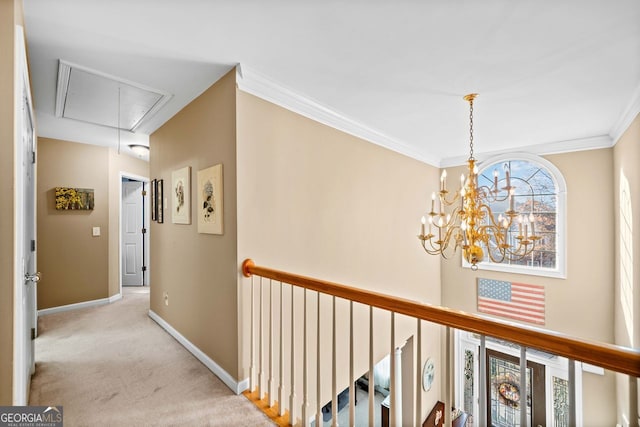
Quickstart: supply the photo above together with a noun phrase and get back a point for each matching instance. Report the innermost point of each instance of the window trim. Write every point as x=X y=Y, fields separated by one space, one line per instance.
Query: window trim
x=561 y=220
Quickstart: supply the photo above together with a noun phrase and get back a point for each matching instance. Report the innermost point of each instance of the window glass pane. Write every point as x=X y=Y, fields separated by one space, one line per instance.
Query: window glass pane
x=468 y=382
x=560 y=402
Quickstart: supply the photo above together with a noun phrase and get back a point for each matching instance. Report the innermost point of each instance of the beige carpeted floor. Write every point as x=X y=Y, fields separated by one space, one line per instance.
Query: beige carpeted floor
x=114 y=366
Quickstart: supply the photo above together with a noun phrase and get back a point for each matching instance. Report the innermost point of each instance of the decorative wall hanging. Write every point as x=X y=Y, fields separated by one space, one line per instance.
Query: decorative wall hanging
x=159 y=198
x=152 y=198
x=514 y=300
x=181 y=196
x=209 y=206
x=74 y=198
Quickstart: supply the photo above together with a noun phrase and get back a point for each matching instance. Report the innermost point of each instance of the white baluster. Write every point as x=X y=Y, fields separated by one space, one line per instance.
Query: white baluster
x=260 y=349
x=482 y=392
x=281 y=388
x=334 y=363
x=318 y=372
x=572 y=393
x=392 y=374
x=293 y=415
x=352 y=380
x=305 y=368
x=397 y=367
x=271 y=393
x=418 y=373
x=252 y=368
x=372 y=384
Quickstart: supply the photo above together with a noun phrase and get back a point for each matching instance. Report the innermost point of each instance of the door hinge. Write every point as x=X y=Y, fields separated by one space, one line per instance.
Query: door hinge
x=33 y=246
x=33 y=334
x=144 y=268
x=144 y=230
x=144 y=193
x=33 y=157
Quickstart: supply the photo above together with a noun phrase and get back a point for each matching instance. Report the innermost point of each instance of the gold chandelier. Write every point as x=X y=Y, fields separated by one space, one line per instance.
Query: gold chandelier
x=470 y=223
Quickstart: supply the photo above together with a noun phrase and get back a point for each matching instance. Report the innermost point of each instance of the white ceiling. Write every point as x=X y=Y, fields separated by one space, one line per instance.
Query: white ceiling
x=552 y=75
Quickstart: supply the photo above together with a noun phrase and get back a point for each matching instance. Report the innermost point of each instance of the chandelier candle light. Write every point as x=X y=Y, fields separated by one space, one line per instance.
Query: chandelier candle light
x=470 y=223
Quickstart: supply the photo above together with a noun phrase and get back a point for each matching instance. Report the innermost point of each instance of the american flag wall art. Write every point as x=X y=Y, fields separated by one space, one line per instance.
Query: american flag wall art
x=514 y=300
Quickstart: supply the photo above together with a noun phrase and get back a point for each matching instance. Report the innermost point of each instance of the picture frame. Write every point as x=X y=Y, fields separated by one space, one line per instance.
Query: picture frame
x=181 y=196
x=69 y=198
x=152 y=199
x=159 y=199
x=210 y=200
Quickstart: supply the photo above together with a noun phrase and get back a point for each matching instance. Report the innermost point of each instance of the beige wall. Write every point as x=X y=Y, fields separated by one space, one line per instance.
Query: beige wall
x=199 y=271
x=318 y=202
x=10 y=15
x=581 y=304
x=75 y=266
x=626 y=157
x=73 y=263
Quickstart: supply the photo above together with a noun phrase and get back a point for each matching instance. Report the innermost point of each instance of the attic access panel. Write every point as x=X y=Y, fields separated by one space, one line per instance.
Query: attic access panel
x=94 y=97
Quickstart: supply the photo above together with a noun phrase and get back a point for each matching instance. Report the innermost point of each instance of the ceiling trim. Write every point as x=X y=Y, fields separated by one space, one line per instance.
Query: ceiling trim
x=64 y=72
x=256 y=84
x=628 y=116
x=582 y=144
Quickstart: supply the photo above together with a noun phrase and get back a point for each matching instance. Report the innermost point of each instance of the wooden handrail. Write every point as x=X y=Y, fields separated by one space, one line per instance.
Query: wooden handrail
x=616 y=358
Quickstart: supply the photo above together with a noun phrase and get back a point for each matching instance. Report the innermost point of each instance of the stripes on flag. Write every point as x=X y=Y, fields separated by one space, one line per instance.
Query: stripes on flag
x=517 y=301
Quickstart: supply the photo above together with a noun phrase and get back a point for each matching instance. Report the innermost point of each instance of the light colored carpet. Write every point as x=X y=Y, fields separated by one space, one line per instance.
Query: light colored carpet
x=114 y=366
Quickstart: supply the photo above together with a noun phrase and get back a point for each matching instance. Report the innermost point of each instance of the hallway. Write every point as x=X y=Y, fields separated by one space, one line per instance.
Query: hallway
x=114 y=366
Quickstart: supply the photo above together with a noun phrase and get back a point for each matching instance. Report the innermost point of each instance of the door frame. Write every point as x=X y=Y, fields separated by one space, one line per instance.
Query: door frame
x=146 y=224
x=23 y=360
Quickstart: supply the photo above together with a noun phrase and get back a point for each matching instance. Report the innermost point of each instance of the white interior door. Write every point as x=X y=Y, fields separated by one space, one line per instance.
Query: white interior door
x=25 y=314
x=132 y=236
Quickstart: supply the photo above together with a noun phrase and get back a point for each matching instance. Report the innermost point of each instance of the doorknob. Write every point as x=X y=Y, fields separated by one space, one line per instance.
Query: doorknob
x=35 y=278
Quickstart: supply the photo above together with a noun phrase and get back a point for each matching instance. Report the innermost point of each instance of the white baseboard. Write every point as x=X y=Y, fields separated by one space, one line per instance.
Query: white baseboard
x=79 y=305
x=236 y=387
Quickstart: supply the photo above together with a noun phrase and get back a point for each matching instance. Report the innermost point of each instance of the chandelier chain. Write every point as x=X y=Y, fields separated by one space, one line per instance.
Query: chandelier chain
x=471 y=129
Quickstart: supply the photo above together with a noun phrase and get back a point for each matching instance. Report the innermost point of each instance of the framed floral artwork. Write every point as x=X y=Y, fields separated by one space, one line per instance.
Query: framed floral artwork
x=181 y=196
x=68 y=198
x=210 y=200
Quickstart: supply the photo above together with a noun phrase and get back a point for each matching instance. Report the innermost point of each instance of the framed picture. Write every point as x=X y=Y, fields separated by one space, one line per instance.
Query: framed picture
x=181 y=196
x=152 y=197
x=68 y=198
x=159 y=198
x=209 y=193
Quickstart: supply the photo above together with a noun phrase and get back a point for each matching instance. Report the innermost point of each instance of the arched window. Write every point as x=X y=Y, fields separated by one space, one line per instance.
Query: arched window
x=540 y=190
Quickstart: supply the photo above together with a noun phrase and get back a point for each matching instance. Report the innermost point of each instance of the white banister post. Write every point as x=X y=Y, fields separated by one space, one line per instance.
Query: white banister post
x=252 y=368
x=270 y=384
x=293 y=414
x=392 y=374
x=318 y=372
x=398 y=386
x=419 y=373
x=524 y=388
x=281 y=388
x=261 y=347
x=482 y=398
x=352 y=380
x=334 y=385
x=372 y=383
x=448 y=375
x=305 y=368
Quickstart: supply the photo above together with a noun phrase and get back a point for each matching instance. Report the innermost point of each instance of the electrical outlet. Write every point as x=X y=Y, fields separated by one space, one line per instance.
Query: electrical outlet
x=166 y=298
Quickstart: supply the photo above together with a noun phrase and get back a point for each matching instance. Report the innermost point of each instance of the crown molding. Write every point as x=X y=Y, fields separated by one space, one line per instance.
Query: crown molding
x=582 y=144
x=256 y=84
x=628 y=116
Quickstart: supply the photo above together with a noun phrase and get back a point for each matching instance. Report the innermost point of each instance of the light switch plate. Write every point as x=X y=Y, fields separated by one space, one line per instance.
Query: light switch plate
x=96 y=231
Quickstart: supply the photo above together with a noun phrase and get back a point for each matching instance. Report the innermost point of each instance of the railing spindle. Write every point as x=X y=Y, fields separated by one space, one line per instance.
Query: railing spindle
x=318 y=371
x=448 y=376
x=293 y=414
x=352 y=380
x=261 y=347
x=372 y=383
x=252 y=367
x=271 y=393
x=334 y=367
x=281 y=387
x=418 y=420
x=572 y=393
x=305 y=368
x=392 y=374
x=523 y=382
x=482 y=398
